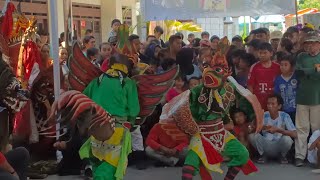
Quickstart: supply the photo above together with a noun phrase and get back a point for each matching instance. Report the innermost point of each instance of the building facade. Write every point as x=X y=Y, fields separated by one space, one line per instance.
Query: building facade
x=94 y=14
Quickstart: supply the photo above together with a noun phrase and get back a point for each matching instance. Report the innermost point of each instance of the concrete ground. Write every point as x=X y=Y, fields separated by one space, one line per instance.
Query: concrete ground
x=272 y=171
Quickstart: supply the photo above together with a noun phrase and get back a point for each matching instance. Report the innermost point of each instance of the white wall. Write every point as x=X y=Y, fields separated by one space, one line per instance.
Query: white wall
x=93 y=2
x=216 y=26
x=212 y=25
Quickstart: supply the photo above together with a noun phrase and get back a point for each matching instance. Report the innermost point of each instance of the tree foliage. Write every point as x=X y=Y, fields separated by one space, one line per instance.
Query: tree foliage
x=303 y=4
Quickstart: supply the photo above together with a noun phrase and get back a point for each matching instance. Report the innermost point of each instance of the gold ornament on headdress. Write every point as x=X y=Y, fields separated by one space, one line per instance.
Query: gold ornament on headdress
x=124 y=46
x=220 y=55
x=220 y=59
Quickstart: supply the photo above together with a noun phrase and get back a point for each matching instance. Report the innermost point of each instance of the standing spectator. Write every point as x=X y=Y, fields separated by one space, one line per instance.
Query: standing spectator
x=237 y=41
x=62 y=42
x=158 y=32
x=196 y=43
x=205 y=43
x=277 y=132
x=261 y=34
x=135 y=41
x=191 y=37
x=263 y=74
x=88 y=42
x=115 y=24
x=150 y=38
x=92 y=54
x=152 y=52
x=182 y=37
x=205 y=56
x=285 y=46
x=63 y=57
x=105 y=51
x=175 y=46
x=234 y=60
x=89 y=32
x=292 y=34
x=44 y=37
x=275 y=38
x=308 y=95
x=205 y=35
x=253 y=47
x=178 y=88
x=245 y=62
x=286 y=86
x=185 y=62
x=303 y=33
x=214 y=40
x=268 y=33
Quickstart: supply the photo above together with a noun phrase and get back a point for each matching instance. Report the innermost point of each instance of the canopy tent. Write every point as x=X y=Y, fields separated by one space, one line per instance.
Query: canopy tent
x=155 y=10
x=271 y=19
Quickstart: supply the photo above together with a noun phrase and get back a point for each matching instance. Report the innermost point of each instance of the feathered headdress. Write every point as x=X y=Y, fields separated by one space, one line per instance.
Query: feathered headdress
x=124 y=46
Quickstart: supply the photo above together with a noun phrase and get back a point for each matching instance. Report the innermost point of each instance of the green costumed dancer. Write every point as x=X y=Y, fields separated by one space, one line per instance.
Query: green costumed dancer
x=116 y=93
x=109 y=105
x=200 y=112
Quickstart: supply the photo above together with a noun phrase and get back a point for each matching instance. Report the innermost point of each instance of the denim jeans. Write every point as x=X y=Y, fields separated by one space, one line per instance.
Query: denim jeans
x=271 y=148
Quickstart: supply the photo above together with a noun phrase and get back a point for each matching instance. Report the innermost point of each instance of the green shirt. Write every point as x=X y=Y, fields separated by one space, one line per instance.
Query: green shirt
x=308 y=92
x=119 y=100
x=199 y=111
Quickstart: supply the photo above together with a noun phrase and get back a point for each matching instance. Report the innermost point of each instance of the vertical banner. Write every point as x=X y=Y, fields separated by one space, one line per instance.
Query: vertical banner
x=155 y=10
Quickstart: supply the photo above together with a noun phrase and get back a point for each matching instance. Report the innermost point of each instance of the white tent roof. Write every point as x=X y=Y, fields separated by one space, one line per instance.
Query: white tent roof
x=271 y=19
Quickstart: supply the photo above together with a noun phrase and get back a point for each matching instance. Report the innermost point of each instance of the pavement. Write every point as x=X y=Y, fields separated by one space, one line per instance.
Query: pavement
x=273 y=171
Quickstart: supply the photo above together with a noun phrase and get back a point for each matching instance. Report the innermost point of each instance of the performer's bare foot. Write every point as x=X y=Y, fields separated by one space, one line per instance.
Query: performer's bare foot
x=61 y=145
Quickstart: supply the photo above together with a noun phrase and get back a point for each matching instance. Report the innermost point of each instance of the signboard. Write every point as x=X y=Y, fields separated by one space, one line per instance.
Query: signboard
x=155 y=10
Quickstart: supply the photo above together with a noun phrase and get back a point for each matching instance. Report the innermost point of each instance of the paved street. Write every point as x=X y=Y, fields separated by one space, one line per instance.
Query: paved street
x=267 y=172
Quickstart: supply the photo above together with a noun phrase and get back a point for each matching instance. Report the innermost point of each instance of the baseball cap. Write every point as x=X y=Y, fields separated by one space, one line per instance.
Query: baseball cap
x=276 y=35
x=312 y=36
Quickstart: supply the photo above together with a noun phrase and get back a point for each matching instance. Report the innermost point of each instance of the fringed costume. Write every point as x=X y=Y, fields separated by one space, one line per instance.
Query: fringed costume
x=200 y=112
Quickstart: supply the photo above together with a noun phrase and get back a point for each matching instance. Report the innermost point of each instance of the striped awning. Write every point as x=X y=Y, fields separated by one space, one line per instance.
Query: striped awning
x=303 y=12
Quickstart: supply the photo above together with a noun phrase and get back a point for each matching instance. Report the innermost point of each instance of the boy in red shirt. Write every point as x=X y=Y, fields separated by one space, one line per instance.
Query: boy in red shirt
x=167 y=144
x=262 y=74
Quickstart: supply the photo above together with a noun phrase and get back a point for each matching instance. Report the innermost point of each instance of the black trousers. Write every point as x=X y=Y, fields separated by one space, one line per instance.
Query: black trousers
x=18 y=158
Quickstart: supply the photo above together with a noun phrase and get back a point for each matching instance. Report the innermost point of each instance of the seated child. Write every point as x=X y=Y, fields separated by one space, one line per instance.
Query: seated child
x=193 y=82
x=313 y=150
x=277 y=133
x=165 y=147
x=242 y=127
